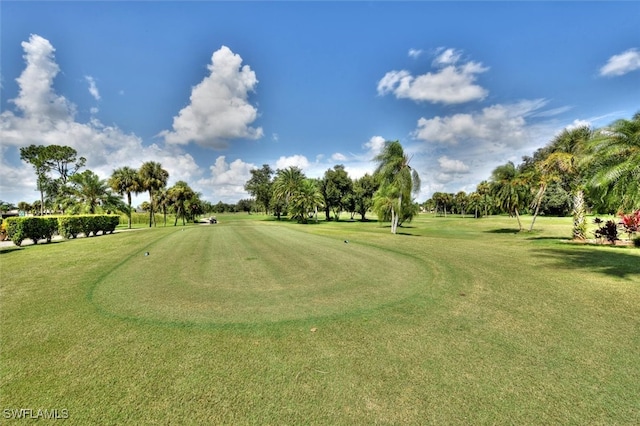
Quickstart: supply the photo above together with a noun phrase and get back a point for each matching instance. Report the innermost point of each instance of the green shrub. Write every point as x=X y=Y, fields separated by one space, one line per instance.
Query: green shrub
x=636 y=242
x=33 y=228
x=71 y=226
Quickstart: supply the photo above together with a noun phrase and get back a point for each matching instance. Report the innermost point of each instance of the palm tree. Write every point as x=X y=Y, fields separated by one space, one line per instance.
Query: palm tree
x=484 y=190
x=287 y=183
x=152 y=177
x=385 y=205
x=126 y=180
x=393 y=171
x=509 y=190
x=305 y=200
x=475 y=203
x=88 y=193
x=613 y=158
x=566 y=151
x=179 y=195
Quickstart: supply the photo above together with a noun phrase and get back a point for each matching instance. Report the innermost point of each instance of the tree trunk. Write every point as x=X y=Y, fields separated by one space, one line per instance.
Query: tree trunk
x=150 y=208
x=538 y=200
x=518 y=218
x=579 y=222
x=129 y=200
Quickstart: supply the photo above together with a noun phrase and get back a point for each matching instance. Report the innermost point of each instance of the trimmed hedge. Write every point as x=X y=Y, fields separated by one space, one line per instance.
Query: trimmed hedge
x=39 y=228
x=33 y=228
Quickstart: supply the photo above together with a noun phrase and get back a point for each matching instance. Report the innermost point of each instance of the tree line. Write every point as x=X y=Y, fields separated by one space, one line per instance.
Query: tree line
x=579 y=170
x=387 y=192
x=65 y=190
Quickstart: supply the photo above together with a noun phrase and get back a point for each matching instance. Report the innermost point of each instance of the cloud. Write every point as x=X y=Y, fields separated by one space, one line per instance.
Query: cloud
x=501 y=124
x=414 y=53
x=447 y=165
x=292 y=161
x=446 y=57
x=226 y=180
x=93 y=89
x=43 y=117
x=374 y=145
x=450 y=84
x=621 y=64
x=36 y=99
x=577 y=123
x=219 y=109
x=338 y=157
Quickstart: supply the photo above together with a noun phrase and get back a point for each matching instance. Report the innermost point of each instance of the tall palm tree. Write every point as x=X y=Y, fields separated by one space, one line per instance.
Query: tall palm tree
x=126 y=180
x=152 y=177
x=509 y=190
x=613 y=160
x=566 y=151
x=393 y=170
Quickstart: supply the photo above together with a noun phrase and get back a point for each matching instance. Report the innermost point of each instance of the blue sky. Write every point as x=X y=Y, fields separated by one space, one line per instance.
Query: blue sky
x=214 y=89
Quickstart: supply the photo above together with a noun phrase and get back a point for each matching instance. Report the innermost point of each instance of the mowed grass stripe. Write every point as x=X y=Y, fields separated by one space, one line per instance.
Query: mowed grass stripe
x=260 y=273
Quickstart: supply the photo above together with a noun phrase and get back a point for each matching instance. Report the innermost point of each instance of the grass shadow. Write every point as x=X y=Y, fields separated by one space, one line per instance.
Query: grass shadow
x=615 y=263
x=9 y=249
x=503 y=231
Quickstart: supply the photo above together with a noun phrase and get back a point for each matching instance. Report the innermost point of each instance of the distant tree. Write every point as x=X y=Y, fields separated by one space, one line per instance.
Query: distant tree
x=442 y=201
x=126 y=180
x=363 y=190
x=484 y=190
x=286 y=183
x=260 y=186
x=335 y=188
x=245 y=205
x=5 y=206
x=460 y=201
x=153 y=178
x=475 y=203
x=163 y=203
x=179 y=196
x=306 y=200
x=24 y=206
x=509 y=190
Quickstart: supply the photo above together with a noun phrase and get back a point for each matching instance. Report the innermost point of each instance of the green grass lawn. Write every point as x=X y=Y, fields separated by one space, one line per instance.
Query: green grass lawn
x=454 y=321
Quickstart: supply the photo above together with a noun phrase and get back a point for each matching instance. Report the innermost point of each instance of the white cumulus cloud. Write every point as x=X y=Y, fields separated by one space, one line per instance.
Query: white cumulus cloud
x=452 y=83
x=43 y=117
x=219 y=109
x=502 y=124
x=293 y=161
x=621 y=64
x=374 y=145
x=226 y=180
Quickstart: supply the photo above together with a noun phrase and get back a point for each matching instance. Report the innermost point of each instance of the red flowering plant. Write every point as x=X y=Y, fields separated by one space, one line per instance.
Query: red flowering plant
x=631 y=222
